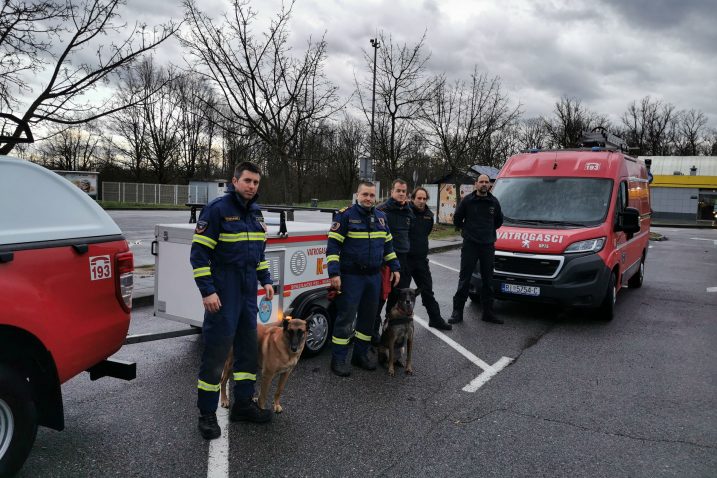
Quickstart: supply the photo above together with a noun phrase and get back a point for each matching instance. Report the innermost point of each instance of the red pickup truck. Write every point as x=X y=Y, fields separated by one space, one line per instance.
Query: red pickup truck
x=65 y=297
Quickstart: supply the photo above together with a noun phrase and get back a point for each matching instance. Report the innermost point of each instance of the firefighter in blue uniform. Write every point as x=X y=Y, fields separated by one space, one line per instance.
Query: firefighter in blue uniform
x=227 y=257
x=359 y=244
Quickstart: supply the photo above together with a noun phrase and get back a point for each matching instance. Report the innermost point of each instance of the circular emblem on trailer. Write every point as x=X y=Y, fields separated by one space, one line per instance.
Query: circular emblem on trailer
x=297 y=264
x=264 y=310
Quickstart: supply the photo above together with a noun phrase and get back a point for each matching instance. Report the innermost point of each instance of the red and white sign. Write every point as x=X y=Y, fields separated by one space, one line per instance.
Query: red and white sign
x=100 y=268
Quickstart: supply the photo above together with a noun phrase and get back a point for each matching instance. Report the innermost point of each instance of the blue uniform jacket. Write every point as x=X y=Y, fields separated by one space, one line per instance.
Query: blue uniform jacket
x=360 y=242
x=228 y=234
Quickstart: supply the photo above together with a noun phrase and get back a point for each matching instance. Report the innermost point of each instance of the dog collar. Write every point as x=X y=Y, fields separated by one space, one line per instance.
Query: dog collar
x=400 y=320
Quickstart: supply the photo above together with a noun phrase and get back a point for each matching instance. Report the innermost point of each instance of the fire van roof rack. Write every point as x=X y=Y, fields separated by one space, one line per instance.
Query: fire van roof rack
x=599 y=137
x=24 y=126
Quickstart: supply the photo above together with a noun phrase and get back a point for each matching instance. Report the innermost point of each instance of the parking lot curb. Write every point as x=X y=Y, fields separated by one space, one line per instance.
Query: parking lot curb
x=448 y=247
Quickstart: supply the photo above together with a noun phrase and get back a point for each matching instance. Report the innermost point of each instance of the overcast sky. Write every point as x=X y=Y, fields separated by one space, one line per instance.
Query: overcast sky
x=605 y=52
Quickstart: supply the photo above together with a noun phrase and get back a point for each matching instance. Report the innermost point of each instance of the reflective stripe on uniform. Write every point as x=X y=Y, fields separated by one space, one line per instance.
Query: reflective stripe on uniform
x=242 y=236
x=332 y=258
x=244 y=376
x=364 y=337
x=204 y=240
x=367 y=235
x=202 y=271
x=262 y=265
x=338 y=341
x=389 y=237
x=208 y=387
x=337 y=236
x=390 y=256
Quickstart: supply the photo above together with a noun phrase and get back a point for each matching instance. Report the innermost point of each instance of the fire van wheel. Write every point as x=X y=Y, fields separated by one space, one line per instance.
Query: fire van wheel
x=18 y=421
x=318 y=325
x=606 y=311
x=635 y=281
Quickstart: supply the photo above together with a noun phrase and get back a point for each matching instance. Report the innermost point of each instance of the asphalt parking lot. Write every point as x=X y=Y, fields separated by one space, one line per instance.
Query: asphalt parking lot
x=633 y=397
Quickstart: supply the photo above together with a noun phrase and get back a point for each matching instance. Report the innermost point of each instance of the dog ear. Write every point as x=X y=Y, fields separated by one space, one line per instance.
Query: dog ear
x=417 y=291
x=285 y=324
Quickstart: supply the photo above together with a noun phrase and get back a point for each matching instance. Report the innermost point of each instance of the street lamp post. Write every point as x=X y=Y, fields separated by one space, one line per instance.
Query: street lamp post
x=375 y=44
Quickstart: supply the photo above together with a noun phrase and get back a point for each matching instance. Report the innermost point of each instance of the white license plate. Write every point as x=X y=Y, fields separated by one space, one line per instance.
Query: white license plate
x=520 y=289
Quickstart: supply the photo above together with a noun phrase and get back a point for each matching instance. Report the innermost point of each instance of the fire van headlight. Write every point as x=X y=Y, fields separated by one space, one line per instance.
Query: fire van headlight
x=591 y=245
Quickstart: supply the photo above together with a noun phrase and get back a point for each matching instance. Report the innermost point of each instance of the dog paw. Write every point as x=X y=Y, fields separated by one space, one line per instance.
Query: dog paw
x=391 y=371
x=409 y=371
x=225 y=403
x=277 y=408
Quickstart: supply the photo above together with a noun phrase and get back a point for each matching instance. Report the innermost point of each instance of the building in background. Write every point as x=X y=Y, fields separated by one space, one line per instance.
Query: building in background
x=453 y=187
x=684 y=188
x=201 y=191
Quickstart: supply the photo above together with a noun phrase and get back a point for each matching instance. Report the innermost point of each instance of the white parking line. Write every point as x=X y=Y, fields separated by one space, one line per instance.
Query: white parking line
x=714 y=241
x=488 y=370
x=218 y=459
x=712 y=289
x=443 y=265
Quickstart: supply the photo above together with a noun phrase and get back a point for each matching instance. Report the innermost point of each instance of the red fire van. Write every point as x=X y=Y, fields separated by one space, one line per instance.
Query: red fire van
x=65 y=297
x=576 y=228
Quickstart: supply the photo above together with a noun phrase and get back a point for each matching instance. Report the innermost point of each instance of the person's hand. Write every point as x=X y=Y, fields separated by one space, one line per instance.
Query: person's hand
x=212 y=303
x=396 y=276
x=269 y=289
x=336 y=282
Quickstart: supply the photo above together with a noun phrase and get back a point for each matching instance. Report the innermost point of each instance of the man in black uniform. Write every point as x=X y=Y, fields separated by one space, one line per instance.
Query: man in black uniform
x=418 y=267
x=478 y=216
x=399 y=216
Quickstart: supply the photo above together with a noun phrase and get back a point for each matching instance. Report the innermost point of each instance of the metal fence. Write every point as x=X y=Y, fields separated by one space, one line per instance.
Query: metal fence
x=144 y=193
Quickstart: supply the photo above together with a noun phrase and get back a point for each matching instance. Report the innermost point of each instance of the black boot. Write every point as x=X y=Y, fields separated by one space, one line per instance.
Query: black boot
x=456 y=316
x=439 y=324
x=246 y=410
x=340 y=367
x=208 y=426
x=365 y=359
x=490 y=317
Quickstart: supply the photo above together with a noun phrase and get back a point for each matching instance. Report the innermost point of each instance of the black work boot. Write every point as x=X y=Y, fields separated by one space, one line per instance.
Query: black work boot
x=247 y=410
x=439 y=324
x=490 y=317
x=208 y=426
x=365 y=360
x=340 y=367
x=456 y=316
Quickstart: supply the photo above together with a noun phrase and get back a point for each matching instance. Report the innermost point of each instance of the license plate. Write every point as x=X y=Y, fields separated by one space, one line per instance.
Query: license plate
x=520 y=289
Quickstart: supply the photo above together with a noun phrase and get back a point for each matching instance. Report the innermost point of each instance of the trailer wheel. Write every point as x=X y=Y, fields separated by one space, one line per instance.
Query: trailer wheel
x=606 y=310
x=635 y=282
x=318 y=324
x=18 y=421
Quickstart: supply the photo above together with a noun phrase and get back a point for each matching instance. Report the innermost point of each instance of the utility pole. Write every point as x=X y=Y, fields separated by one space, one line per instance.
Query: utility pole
x=375 y=44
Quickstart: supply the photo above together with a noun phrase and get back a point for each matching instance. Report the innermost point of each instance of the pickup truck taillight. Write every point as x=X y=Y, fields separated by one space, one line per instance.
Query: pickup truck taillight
x=125 y=279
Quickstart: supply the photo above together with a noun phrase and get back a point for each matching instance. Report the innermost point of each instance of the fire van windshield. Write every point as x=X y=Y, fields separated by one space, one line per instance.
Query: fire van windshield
x=553 y=202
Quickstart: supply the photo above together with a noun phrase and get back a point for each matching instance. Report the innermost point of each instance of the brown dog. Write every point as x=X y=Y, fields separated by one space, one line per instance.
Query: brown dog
x=279 y=347
x=397 y=330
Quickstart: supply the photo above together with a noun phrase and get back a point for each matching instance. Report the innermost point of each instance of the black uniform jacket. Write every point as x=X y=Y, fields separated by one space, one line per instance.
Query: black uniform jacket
x=478 y=217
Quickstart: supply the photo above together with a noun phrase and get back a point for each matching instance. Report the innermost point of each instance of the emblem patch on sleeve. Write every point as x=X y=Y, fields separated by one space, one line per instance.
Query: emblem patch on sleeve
x=335 y=226
x=201 y=227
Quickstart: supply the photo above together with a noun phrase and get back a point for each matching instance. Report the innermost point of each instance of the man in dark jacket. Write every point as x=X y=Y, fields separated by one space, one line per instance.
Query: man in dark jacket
x=418 y=267
x=400 y=217
x=478 y=216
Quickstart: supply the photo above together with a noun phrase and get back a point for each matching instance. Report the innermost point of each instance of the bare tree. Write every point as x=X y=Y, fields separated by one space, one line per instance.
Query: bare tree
x=532 y=133
x=266 y=91
x=129 y=123
x=162 y=119
x=570 y=120
x=462 y=117
x=72 y=148
x=647 y=125
x=193 y=95
x=66 y=30
x=401 y=90
x=690 y=132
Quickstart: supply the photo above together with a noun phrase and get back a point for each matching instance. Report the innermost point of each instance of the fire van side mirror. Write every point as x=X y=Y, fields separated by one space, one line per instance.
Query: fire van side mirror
x=628 y=221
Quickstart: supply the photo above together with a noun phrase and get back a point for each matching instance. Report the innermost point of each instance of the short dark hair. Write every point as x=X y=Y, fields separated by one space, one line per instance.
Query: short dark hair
x=397 y=181
x=246 y=166
x=368 y=184
x=420 y=188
